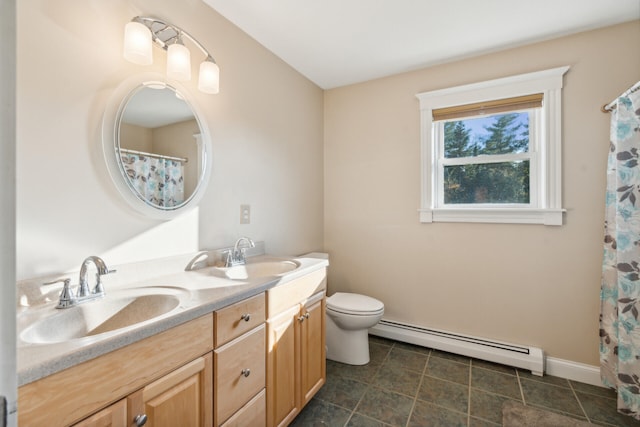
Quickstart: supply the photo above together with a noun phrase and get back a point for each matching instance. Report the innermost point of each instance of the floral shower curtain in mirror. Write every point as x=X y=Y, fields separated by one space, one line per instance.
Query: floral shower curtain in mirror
x=159 y=181
x=620 y=293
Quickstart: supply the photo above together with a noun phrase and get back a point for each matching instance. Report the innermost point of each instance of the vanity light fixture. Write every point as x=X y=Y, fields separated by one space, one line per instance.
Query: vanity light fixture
x=142 y=31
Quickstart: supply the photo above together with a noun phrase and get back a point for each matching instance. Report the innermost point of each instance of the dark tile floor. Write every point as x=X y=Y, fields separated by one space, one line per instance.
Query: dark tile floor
x=406 y=385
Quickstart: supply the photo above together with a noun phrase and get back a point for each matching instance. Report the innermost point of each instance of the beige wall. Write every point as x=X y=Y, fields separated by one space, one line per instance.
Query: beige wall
x=526 y=284
x=177 y=140
x=266 y=126
x=133 y=137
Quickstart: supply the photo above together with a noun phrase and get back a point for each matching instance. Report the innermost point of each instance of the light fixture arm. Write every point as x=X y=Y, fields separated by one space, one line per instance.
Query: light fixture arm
x=164 y=34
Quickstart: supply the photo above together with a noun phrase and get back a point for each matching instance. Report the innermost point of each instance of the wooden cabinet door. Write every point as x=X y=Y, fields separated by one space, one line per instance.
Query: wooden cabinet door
x=180 y=398
x=312 y=347
x=111 y=416
x=283 y=367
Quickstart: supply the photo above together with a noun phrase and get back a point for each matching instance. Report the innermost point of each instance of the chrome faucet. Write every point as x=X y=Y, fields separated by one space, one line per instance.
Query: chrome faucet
x=83 y=294
x=83 y=285
x=236 y=256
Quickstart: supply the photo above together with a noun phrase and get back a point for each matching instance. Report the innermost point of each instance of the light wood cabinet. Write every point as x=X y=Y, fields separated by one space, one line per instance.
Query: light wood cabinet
x=312 y=347
x=82 y=392
x=240 y=366
x=239 y=373
x=296 y=367
x=111 y=416
x=283 y=368
x=180 y=398
x=236 y=319
x=253 y=414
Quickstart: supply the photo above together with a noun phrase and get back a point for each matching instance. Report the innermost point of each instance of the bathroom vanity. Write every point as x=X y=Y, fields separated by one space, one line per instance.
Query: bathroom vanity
x=242 y=352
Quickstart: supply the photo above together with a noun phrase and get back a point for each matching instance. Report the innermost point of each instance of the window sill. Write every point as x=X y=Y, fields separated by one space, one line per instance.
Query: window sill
x=497 y=215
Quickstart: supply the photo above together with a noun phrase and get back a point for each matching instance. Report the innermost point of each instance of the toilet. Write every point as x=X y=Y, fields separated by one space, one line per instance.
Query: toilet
x=349 y=317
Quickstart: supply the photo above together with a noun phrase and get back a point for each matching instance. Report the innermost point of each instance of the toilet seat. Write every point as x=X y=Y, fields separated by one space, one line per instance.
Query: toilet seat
x=354 y=304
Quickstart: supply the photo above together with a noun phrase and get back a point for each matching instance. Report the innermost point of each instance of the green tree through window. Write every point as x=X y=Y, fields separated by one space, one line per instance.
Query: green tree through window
x=482 y=176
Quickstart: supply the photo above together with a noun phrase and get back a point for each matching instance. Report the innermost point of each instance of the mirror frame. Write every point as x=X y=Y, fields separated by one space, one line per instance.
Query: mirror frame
x=111 y=146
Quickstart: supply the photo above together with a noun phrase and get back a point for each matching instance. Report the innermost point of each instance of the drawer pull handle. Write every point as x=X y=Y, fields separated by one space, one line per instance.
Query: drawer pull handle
x=246 y=372
x=303 y=317
x=246 y=317
x=140 y=420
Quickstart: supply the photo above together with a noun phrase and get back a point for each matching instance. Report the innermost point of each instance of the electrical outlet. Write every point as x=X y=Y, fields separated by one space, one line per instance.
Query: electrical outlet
x=245 y=214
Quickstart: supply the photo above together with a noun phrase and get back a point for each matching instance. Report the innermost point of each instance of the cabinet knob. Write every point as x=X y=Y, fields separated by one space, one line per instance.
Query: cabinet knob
x=140 y=420
x=246 y=372
x=246 y=317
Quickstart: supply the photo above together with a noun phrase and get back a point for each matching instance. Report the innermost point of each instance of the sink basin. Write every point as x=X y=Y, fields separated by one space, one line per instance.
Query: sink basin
x=115 y=311
x=257 y=268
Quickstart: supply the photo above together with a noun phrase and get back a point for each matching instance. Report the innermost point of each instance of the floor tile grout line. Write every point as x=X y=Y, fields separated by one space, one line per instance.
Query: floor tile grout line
x=579 y=402
x=524 y=402
x=469 y=393
x=369 y=385
x=415 y=398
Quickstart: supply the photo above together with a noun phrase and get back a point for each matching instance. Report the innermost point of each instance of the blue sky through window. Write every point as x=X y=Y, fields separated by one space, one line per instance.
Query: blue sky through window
x=478 y=125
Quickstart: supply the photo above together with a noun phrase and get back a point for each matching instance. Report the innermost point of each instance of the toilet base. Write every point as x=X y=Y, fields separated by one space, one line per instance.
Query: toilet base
x=347 y=346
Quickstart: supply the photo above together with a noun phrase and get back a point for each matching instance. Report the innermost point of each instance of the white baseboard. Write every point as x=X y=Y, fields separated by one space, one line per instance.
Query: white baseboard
x=575 y=371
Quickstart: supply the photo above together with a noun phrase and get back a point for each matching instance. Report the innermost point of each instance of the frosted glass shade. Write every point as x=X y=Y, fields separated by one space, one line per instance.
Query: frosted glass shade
x=178 y=62
x=137 y=44
x=209 y=77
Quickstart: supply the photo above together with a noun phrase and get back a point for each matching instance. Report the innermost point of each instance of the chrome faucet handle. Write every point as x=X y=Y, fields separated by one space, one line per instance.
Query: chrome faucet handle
x=67 y=298
x=99 y=288
x=230 y=258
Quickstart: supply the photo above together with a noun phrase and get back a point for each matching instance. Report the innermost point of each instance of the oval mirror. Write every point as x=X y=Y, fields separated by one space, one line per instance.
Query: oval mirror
x=160 y=149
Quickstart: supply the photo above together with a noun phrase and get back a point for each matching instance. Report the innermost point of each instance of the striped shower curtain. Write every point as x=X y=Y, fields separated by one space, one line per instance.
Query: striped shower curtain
x=620 y=292
x=160 y=182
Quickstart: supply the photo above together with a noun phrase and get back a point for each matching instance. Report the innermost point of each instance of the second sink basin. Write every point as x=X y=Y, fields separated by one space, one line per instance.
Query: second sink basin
x=261 y=267
x=115 y=311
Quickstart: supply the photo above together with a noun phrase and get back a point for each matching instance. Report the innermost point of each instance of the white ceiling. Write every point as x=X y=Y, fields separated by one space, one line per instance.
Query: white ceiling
x=340 y=42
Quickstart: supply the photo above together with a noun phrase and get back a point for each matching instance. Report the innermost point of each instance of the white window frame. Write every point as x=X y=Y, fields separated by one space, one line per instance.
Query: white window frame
x=546 y=151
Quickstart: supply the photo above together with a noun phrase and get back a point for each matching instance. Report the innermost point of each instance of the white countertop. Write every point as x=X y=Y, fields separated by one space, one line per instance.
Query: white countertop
x=206 y=293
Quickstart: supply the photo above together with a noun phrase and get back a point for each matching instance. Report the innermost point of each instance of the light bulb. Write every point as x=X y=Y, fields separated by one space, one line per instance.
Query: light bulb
x=178 y=62
x=137 y=43
x=209 y=77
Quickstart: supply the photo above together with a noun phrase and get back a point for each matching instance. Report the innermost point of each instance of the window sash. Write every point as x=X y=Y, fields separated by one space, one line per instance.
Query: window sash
x=532 y=155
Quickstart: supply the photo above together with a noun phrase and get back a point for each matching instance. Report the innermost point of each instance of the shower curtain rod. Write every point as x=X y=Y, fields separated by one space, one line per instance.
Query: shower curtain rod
x=607 y=108
x=157 y=156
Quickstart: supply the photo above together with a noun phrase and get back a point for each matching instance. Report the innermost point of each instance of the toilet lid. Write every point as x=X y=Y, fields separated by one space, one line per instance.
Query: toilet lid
x=354 y=304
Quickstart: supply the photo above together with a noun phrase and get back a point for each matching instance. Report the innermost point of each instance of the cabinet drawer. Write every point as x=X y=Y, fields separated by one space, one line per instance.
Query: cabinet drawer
x=282 y=297
x=252 y=414
x=236 y=319
x=239 y=373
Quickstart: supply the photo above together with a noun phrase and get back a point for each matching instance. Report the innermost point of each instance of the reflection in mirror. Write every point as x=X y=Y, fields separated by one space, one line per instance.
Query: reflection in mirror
x=159 y=146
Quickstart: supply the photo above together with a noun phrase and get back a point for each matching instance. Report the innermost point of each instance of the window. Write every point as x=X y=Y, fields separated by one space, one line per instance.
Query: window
x=491 y=151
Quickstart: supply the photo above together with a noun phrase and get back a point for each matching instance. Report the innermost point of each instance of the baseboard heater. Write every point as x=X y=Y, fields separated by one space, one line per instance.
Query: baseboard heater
x=530 y=358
